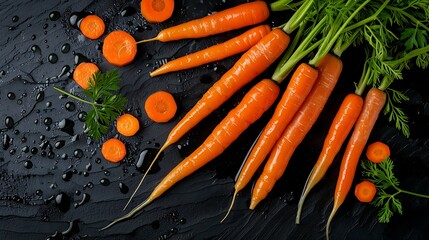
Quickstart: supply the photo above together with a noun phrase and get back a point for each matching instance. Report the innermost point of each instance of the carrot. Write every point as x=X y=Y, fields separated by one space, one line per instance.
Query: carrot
x=113 y=150
x=92 y=27
x=119 y=48
x=377 y=152
x=83 y=73
x=252 y=106
x=160 y=106
x=252 y=63
x=365 y=191
x=329 y=71
x=127 y=125
x=298 y=88
x=217 y=52
x=372 y=106
x=340 y=128
x=156 y=11
x=243 y=15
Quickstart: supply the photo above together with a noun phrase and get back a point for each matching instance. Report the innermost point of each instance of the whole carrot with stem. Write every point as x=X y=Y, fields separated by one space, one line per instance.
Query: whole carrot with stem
x=252 y=63
x=216 y=52
x=329 y=71
x=259 y=99
x=243 y=15
x=297 y=89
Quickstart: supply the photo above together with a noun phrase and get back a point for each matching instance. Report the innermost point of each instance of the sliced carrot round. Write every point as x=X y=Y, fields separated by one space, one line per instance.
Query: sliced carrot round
x=92 y=26
x=113 y=150
x=83 y=73
x=119 y=48
x=127 y=125
x=377 y=152
x=160 y=106
x=365 y=191
x=156 y=11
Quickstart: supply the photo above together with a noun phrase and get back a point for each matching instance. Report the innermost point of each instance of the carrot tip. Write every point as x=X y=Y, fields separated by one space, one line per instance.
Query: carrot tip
x=253 y=204
x=147 y=40
x=230 y=206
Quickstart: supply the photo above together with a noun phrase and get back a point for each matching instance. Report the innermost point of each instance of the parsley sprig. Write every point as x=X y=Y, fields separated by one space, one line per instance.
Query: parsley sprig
x=382 y=175
x=106 y=102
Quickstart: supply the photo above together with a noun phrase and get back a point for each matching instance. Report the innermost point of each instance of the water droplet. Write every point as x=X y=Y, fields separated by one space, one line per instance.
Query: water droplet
x=33 y=150
x=145 y=159
x=59 y=144
x=11 y=95
x=78 y=153
x=85 y=198
x=82 y=116
x=39 y=192
x=47 y=121
x=182 y=221
x=79 y=58
x=70 y=106
x=48 y=104
x=54 y=15
x=104 y=182
x=76 y=18
x=66 y=125
x=128 y=11
x=88 y=167
x=123 y=188
x=6 y=141
x=15 y=18
x=9 y=122
x=65 y=70
x=67 y=176
x=64 y=156
x=65 y=48
x=40 y=96
x=25 y=149
x=62 y=201
x=28 y=164
x=71 y=230
x=33 y=37
x=53 y=58
x=98 y=160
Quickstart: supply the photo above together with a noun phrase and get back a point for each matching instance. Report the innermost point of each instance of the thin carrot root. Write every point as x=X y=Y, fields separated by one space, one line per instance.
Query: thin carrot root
x=147 y=40
x=301 y=202
x=130 y=214
x=166 y=144
x=230 y=206
x=328 y=223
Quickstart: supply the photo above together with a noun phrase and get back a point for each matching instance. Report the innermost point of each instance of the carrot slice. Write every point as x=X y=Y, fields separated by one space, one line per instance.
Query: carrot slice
x=119 y=48
x=92 y=27
x=83 y=74
x=127 y=125
x=377 y=152
x=113 y=150
x=365 y=191
x=160 y=106
x=156 y=11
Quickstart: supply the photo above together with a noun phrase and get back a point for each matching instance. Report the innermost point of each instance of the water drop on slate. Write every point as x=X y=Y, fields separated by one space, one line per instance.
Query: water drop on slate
x=78 y=153
x=15 y=19
x=40 y=96
x=67 y=176
x=123 y=188
x=54 y=15
x=9 y=122
x=65 y=48
x=62 y=201
x=66 y=125
x=104 y=182
x=145 y=158
x=70 y=106
x=11 y=95
x=53 y=58
x=128 y=11
x=28 y=164
x=59 y=144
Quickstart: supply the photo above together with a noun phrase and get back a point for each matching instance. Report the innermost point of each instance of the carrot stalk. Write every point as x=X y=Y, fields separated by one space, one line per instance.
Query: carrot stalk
x=340 y=128
x=329 y=71
x=253 y=105
x=252 y=63
x=217 y=52
x=243 y=15
x=372 y=106
x=298 y=88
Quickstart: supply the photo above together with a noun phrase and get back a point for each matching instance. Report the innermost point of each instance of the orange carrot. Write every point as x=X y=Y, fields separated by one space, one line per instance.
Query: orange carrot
x=160 y=106
x=119 y=48
x=298 y=88
x=373 y=104
x=113 y=150
x=329 y=71
x=252 y=106
x=83 y=73
x=243 y=15
x=252 y=63
x=156 y=11
x=340 y=128
x=377 y=152
x=217 y=52
x=127 y=125
x=92 y=26
x=365 y=191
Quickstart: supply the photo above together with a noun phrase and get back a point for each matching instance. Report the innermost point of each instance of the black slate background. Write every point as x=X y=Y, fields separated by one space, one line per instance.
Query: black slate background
x=194 y=207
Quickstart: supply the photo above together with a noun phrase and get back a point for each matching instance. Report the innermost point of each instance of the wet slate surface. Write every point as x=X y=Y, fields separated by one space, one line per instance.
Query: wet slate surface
x=54 y=184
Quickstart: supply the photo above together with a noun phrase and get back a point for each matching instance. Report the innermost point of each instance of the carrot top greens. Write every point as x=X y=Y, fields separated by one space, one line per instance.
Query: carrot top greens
x=106 y=102
x=382 y=175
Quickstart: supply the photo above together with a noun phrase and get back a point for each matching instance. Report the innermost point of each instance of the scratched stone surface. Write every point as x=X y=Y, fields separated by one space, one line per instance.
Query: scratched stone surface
x=54 y=183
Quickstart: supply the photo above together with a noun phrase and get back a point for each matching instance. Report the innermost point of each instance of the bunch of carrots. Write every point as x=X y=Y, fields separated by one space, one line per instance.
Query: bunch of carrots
x=312 y=42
